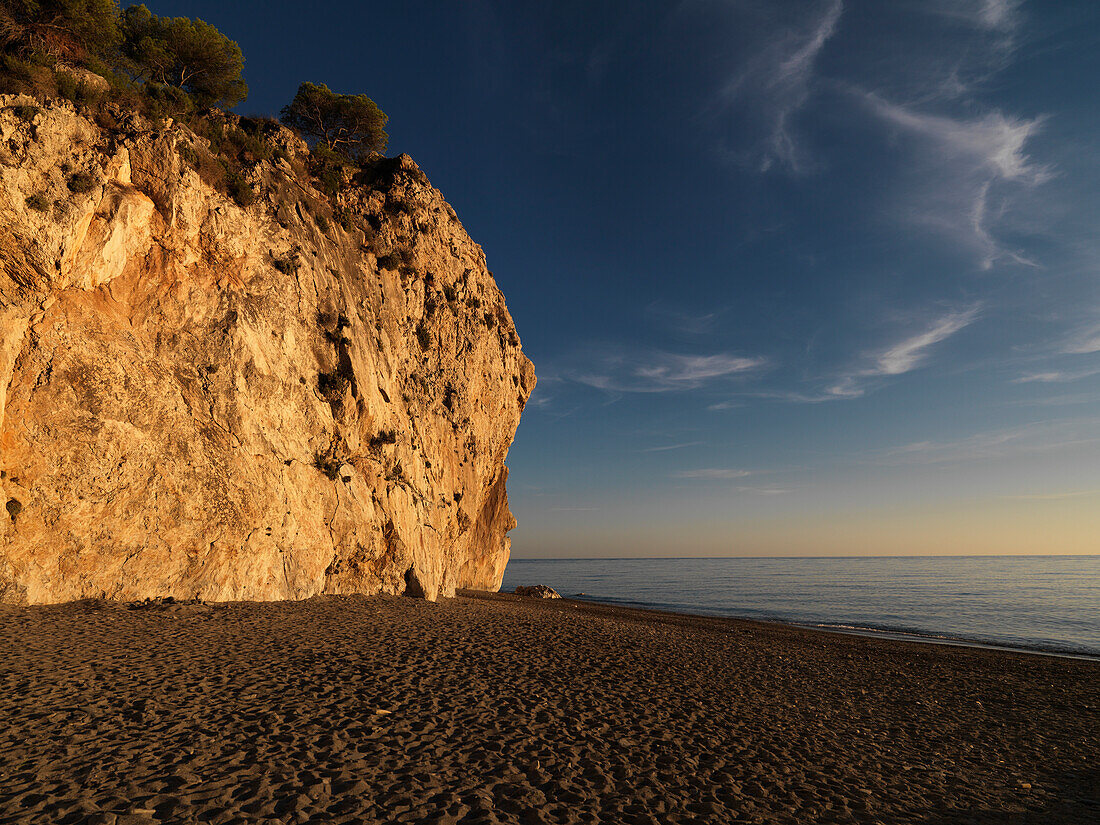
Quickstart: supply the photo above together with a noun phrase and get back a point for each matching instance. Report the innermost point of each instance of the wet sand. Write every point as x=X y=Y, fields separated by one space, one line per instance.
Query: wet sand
x=496 y=709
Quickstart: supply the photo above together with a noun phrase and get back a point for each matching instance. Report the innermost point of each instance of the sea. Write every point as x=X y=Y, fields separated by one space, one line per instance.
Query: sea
x=1033 y=603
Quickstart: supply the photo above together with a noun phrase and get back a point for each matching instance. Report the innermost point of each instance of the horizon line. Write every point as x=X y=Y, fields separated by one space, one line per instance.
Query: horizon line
x=823 y=556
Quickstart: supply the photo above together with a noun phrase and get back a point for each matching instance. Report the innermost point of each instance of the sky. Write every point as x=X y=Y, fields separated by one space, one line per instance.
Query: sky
x=798 y=278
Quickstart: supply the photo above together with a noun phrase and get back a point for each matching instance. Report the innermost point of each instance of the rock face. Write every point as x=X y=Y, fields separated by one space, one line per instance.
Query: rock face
x=205 y=401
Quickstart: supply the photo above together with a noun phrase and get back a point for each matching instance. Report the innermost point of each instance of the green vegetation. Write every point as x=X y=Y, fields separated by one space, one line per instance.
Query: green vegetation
x=112 y=62
x=328 y=465
x=82 y=182
x=330 y=168
x=26 y=113
x=157 y=66
x=234 y=148
x=389 y=260
x=423 y=336
x=164 y=65
x=186 y=60
x=288 y=265
x=332 y=385
x=73 y=30
x=383 y=437
x=349 y=125
x=398 y=207
x=396 y=473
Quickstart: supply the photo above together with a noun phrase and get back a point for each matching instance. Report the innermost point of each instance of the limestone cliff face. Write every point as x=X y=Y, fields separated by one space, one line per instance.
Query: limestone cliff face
x=272 y=402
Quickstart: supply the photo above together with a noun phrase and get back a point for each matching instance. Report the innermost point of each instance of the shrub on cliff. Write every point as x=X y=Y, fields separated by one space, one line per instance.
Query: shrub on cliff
x=350 y=125
x=62 y=29
x=159 y=66
x=329 y=168
x=179 y=53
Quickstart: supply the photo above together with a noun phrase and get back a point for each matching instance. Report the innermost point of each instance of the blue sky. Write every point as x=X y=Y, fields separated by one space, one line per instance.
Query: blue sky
x=796 y=277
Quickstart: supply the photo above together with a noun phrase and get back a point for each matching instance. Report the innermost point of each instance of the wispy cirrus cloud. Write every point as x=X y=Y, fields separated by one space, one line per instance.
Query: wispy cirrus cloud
x=1084 y=341
x=967 y=162
x=666 y=447
x=712 y=474
x=1000 y=15
x=652 y=371
x=968 y=168
x=996 y=16
x=1055 y=376
x=730 y=474
x=1038 y=437
x=682 y=321
x=994 y=142
x=911 y=352
x=776 y=84
x=904 y=356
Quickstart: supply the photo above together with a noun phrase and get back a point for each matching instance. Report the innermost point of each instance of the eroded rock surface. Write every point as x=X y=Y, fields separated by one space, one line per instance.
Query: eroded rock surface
x=200 y=400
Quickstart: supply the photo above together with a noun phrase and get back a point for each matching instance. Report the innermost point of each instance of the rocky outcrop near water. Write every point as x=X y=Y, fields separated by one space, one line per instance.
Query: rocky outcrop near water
x=202 y=400
x=537 y=591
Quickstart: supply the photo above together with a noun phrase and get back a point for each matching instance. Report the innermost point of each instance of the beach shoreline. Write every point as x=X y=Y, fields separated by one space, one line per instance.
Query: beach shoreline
x=493 y=708
x=914 y=636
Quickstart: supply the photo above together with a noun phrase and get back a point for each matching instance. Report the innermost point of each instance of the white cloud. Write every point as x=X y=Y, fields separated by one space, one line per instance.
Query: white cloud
x=1042 y=436
x=1085 y=342
x=668 y=447
x=903 y=357
x=658 y=371
x=691 y=369
x=764 y=491
x=966 y=168
x=993 y=142
x=997 y=17
x=778 y=82
x=1055 y=376
x=1000 y=15
x=712 y=474
x=910 y=353
x=683 y=322
x=1040 y=377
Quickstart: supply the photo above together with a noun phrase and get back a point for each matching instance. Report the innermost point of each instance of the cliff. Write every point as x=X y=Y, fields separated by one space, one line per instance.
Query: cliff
x=307 y=395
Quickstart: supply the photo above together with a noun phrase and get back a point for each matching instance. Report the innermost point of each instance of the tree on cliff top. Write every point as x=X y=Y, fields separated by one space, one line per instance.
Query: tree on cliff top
x=63 y=29
x=351 y=125
x=189 y=55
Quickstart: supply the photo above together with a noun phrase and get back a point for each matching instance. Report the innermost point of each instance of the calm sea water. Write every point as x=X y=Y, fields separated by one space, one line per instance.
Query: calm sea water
x=1047 y=603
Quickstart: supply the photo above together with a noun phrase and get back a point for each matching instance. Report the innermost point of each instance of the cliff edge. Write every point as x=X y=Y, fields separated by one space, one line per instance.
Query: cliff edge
x=309 y=394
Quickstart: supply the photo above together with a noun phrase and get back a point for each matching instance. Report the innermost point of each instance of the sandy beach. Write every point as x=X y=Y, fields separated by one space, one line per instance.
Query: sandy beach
x=497 y=709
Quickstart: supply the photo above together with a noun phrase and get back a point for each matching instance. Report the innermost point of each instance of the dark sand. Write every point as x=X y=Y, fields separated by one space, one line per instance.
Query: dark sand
x=494 y=709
